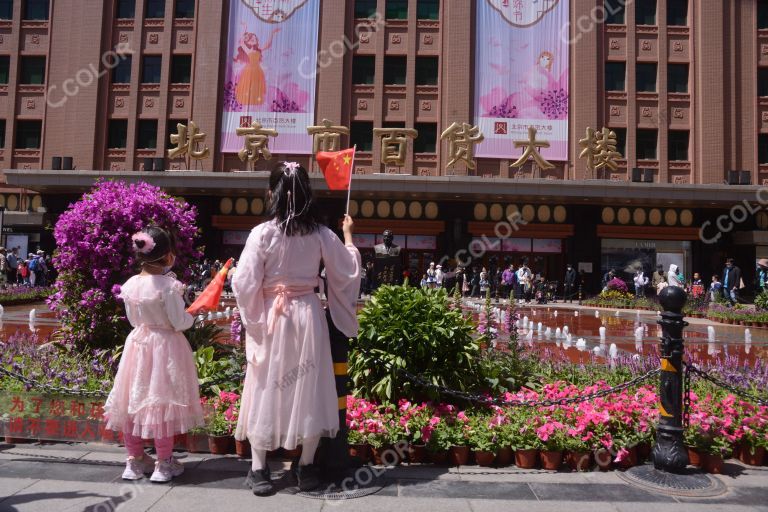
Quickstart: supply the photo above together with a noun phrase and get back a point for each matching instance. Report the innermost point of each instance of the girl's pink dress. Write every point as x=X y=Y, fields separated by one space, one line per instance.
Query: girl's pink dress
x=290 y=390
x=156 y=392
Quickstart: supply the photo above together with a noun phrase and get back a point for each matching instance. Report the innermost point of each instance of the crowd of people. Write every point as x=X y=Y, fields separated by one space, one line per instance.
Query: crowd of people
x=35 y=270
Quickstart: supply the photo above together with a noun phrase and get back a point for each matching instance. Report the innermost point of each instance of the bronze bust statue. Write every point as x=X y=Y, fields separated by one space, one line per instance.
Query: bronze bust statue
x=388 y=248
x=388 y=266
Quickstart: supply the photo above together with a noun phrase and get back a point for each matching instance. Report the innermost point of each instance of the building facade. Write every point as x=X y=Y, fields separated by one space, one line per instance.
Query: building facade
x=95 y=88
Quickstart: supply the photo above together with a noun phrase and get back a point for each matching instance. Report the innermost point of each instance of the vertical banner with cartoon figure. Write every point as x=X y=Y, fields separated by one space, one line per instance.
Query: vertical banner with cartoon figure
x=270 y=74
x=521 y=75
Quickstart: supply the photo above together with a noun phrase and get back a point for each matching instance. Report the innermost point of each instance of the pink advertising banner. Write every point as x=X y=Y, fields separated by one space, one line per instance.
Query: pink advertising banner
x=521 y=75
x=271 y=71
x=423 y=242
x=553 y=245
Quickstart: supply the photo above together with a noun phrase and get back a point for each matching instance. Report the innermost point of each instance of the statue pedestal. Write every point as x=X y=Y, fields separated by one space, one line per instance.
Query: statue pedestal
x=387 y=270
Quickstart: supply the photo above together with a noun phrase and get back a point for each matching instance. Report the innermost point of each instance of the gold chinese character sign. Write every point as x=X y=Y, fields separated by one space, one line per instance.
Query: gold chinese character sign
x=256 y=144
x=461 y=143
x=326 y=137
x=394 y=144
x=531 y=150
x=187 y=141
x=599 y=149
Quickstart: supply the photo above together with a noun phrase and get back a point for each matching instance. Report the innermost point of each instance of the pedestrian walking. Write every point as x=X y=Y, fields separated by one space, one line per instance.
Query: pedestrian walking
x=569 y=283
x=732 y=282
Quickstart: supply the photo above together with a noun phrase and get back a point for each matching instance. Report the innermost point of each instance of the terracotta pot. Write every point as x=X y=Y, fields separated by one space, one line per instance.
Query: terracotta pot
x=630 y=460
x=695 y=457
x=180 y=441
x=458 y=455
x=551 y=460
x=197 y=443
x=527 y=459
x=752 y=459
x=243 y=448
x=603 y=459
x=439 y=457
x=484 y=458
x=712 y=463
x=292 y=454
x=361 y=451
x=504 y=456
x=579 y=461
x=16 y=440
x=736 y=452
x=220 y=445
x=385 y=456
x=643 y=452
x=417 y=453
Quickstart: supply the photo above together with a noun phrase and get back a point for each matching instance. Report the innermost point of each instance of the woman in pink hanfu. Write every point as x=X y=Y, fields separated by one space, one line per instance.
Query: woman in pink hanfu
x=289 y=396
x=545 y=96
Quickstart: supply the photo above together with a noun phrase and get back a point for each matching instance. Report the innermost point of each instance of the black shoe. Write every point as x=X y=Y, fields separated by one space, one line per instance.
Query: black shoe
x=308 y=477
x=260 y=482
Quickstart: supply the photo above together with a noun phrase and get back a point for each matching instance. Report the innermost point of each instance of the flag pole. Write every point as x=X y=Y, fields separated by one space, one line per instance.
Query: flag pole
x=351 y=172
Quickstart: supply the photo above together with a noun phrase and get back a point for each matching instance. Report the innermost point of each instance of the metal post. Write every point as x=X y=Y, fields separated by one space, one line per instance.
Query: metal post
x=669 y=453
x=579 y=294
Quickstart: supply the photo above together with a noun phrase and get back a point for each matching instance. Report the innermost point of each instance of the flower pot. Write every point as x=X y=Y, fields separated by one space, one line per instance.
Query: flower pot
x=180 y=441
x=579 y=461
x=695 y=457
x=629 y=460
x=750 y=458
x=458 y=455
x=712 y=463
x=736 y=451
x=603 y=459
x=383 y=456
x=551 y=460
x=220 y=445
x=643 y=452
x=197 y=443
x=361 y=451
x=527 y=459
x=504 y=456
x=295 y=453
x=243 y=448
x=439 y=457
x=484 y=458
x=16 y=440
x=417 y=453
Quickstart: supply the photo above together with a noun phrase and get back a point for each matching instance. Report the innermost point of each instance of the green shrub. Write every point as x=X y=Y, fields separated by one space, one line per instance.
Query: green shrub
x=761 y=301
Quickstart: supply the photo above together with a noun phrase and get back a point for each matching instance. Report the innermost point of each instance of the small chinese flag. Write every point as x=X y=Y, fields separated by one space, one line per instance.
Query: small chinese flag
x=337 y=167
x=209 y=299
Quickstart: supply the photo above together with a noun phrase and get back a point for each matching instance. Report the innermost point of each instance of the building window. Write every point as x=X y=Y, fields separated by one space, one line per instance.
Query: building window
x=181 y=69
x=646 y=77
x=184 y=9
x=427 y=70
x=677 y=78
x=397 y=10
x=2 y=133
x=426 y=142
x=6 y=9
x=363 y=69
x=151 y=69
x=28 y=134
x=647 y=141
x=621 y=140
x=32 y=70
x=155 y=9
x=126 y=9
x=762 y=13
x=365 y=8
x=678 y=145
x=35 y=10
x=645 y=12
x=428 y=9
x=394 y=70
x=677 y=13
x=121 y=73
x=147 y=136
x=5 y=64
x=615 y=11
x=361 y=134
x=762 y=148
x=118 y=134
x=615 y=76
x=762 y=81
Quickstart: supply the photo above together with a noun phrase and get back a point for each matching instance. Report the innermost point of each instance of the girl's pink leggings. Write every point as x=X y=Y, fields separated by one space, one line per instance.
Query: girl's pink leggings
x=135 y=446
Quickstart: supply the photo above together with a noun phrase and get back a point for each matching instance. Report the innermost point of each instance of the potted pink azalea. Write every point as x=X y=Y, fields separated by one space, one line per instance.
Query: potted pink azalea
x=553 y=439
x=222 y=423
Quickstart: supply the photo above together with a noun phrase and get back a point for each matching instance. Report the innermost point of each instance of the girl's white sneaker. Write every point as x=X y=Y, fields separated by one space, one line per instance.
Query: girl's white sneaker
x=166 y=469
x=135 y=469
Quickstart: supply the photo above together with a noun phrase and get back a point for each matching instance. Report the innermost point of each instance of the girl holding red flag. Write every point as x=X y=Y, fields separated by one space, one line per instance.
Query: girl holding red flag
x=289 y=395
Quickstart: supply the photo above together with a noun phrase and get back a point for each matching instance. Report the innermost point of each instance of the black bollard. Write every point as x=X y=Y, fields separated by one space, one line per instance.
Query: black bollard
x=669 y=453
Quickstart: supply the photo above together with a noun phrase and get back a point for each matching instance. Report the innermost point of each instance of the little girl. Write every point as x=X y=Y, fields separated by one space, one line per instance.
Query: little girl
x=155 y=394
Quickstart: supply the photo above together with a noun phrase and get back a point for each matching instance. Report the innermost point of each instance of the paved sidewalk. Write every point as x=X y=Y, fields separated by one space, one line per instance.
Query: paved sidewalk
x=86 y=477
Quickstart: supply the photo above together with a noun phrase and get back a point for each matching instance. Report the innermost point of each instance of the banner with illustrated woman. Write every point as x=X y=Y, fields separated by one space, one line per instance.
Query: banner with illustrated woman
x=270 y=42
x=521 y=75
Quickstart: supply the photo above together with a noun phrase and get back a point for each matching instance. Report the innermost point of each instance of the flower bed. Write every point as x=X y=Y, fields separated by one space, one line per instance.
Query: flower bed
x=23 y=295
x=621 y=300
x=739 y=315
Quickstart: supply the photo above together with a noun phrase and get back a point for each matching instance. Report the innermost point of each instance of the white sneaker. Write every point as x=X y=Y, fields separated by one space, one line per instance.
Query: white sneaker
x=165 y=470
x=135 y=469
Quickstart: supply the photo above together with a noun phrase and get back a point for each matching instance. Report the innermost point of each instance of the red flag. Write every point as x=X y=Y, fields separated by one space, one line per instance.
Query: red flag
x=337 y=167
x=209 y=299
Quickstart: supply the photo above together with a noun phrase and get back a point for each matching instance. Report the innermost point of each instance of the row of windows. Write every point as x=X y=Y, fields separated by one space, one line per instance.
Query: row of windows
x=30 y=9
x=364 y=70
x=155 y=9
x=32 y=70
x=645 y=77
x=646 y=12
x=398 y=9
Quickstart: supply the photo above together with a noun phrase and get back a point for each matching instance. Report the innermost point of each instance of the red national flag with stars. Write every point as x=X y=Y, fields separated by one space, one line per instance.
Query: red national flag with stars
x=337 y=167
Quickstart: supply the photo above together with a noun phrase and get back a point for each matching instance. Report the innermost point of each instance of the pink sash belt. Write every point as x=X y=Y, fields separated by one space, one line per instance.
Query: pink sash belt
x=282 y=295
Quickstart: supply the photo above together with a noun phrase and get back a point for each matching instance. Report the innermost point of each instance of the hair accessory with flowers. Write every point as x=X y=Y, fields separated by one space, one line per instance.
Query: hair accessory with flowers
x=143 y=243
x=290 y=168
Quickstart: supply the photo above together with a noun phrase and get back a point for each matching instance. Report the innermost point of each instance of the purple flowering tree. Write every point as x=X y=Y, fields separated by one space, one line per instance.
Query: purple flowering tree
x=94 y=256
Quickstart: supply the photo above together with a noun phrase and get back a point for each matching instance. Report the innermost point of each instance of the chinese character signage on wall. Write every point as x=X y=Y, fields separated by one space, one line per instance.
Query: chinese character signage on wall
x=270 y=75
x=521 y=75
